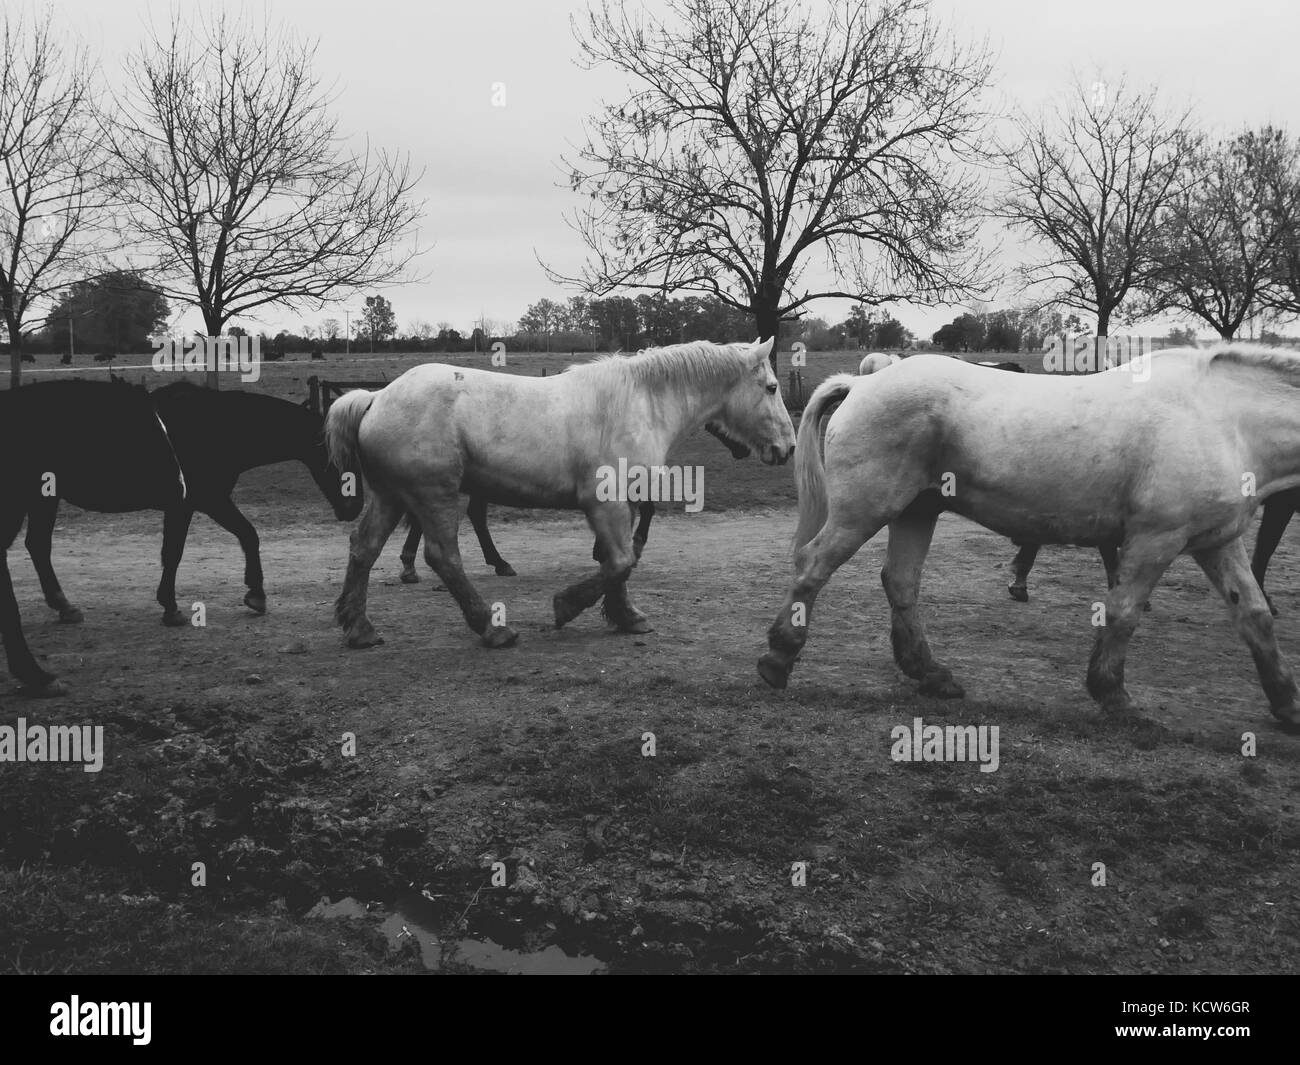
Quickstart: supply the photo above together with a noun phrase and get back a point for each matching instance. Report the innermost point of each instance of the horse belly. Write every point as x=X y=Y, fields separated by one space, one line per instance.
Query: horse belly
x=1034 y=518
x=516 y=488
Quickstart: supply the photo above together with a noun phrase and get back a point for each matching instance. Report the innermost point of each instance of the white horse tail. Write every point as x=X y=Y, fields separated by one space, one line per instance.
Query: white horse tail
x=809 y=471
x=342 y=425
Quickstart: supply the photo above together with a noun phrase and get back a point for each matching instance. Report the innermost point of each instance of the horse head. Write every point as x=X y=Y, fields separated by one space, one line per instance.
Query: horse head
x=753 y=417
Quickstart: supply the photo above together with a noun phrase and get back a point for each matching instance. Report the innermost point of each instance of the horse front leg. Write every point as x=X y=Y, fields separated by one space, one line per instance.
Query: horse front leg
x=612 y=524
x=176 y=526
x=491 y=556
x=1230 y=573
x=1277 y=515
x=22 y=664
x=409 y=549
x=230 y=518
x=40 y=539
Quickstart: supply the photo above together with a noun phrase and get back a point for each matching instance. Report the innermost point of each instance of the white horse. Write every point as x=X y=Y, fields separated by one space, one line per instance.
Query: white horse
x=1174 y=463
x=439 y=431
x=876 y=361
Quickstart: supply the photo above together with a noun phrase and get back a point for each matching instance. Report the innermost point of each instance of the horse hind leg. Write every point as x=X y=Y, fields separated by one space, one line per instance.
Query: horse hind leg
x=1110 y=562
x=815 y=562
x=1141 y=564
x=39 y=541
x=1231 y=574
x=909 y=542
x=1018 y=589
x=377 y=523
x=440 y=517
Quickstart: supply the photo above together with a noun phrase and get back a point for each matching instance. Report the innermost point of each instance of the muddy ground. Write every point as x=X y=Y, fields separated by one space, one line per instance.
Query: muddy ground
x=225 y=746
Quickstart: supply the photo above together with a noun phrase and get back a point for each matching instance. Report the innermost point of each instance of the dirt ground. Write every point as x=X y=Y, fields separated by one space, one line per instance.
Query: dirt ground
x=225 y=746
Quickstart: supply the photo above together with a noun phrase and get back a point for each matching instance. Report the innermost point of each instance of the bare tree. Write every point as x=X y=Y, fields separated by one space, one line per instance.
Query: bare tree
x=1279 y=175
x=235 y=181
x=52 y=187
x=1218 y=252
x=1091 y=181
x=330 y=328
x=762 y=133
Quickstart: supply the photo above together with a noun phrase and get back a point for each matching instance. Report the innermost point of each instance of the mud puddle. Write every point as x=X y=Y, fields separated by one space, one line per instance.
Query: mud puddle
x=410 y=916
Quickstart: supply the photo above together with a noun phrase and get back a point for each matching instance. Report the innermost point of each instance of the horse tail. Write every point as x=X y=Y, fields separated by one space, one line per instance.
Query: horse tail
x=342 y=424
x=809 y=471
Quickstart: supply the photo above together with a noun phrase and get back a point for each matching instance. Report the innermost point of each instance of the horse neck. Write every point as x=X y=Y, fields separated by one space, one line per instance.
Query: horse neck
x=679 y=409
x=268 y=434
x=1269 y=418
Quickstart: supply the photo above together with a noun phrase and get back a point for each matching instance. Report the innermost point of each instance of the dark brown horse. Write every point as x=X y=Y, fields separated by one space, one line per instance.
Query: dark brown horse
x=113 y=447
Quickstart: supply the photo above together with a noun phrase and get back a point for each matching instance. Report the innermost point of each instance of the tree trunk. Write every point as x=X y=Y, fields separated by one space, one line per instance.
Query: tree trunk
x=769 y=325
x=212 y=323
x=15 y=352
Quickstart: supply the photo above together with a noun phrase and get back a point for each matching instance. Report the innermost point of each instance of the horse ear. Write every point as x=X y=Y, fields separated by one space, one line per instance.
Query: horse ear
x=762 y=349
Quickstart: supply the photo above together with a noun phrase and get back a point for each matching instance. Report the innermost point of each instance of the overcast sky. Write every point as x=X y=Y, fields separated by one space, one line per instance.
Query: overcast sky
x=417 y=77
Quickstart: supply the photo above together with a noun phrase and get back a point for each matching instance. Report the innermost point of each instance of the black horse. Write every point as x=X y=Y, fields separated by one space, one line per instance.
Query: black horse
x=113 y=447
x=1278 y=509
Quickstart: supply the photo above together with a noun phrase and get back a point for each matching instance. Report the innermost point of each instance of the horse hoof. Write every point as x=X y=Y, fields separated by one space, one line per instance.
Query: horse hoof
x=564 y=611
x=175 y=619
x=1289 y=716
x=941 y=686
x=1019 y=593
x=255 y=603
x=71 y=616
x=498 y=636
x=409 y=576
x=364 y=636
x=636 y=626
x=506 y=570
x=49 y=689
x=1119 y=706
x=772 y=671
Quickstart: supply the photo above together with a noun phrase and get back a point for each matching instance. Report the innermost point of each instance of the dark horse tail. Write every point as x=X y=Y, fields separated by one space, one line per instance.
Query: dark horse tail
x=342 y=424
x=809 y=473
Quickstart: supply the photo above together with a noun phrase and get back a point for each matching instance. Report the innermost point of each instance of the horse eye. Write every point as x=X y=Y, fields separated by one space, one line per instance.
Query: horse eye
x=771 y=390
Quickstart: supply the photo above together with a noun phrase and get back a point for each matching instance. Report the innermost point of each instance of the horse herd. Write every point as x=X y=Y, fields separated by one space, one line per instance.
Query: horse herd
x=1143 y=467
